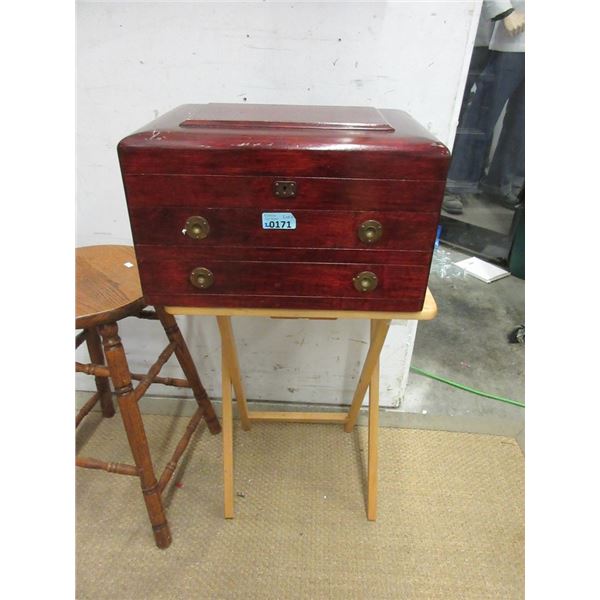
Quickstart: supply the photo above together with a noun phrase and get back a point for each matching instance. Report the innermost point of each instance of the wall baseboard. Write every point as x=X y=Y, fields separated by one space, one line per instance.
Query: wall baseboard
x=185 y=407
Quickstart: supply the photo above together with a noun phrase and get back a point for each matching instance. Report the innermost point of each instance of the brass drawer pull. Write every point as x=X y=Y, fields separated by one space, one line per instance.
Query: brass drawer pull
x=197 y=228
x=370 y=231
x=202 y=278
x=366 y=281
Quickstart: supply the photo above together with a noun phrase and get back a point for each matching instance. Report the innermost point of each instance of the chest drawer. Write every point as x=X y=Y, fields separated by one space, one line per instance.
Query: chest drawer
x=173 y=272
x=366 y=230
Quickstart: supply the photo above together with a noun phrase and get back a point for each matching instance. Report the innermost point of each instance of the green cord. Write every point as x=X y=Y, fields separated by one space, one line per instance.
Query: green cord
x=466 y=388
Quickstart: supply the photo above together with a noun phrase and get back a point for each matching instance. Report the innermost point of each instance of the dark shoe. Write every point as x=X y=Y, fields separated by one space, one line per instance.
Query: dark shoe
x=452 y=204
x=508 y=200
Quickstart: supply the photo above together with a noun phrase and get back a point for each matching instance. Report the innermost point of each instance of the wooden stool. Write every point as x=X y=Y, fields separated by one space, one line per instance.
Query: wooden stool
x=108 y=289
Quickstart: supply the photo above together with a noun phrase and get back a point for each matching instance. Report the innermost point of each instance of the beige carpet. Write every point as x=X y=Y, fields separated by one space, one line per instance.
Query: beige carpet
x=450 y=517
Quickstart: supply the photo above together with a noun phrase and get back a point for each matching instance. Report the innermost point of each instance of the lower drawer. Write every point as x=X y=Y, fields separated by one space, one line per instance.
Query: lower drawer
x=166 y=278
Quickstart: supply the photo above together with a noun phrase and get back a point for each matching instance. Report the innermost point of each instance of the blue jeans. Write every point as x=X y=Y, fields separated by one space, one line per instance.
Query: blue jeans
x=502 y=80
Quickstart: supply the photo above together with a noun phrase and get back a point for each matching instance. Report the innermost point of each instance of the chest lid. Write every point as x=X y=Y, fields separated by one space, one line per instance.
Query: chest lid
x=276 y=117
x=268 y=139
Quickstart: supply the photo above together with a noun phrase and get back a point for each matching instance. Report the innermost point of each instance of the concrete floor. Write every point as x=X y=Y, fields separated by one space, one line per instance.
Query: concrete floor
x=467 y=343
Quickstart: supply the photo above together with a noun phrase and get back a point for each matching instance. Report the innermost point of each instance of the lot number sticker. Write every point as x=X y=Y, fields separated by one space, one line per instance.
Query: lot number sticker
x=278 y=221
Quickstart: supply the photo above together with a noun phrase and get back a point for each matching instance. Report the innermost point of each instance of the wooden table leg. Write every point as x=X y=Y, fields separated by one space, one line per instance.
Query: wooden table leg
x=231 y=358
x=227 y=419
x=381 y=327
x=134 y=428
x=373 y=437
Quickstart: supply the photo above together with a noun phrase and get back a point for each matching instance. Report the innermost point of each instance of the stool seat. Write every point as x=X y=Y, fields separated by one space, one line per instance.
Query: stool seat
x=108 y=285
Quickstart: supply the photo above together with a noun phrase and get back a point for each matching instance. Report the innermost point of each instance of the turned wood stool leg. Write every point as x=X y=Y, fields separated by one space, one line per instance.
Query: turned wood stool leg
x=134 y=428
x=94 y=346
x=189 y=368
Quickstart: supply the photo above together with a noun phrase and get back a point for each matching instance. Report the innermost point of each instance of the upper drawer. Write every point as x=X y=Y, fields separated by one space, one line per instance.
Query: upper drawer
x=311 y=192
x=314 y=229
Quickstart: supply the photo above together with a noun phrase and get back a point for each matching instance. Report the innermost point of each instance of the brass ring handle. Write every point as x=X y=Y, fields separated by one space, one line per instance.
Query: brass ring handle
x=370 y=231
x=366 y=281
x=197 y=228
x=202 y=278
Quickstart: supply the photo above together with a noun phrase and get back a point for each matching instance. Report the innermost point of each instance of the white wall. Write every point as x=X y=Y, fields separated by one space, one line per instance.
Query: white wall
x=138 y=60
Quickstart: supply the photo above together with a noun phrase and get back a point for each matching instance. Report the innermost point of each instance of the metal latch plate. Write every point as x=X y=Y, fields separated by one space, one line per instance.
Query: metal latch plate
x=285 y=189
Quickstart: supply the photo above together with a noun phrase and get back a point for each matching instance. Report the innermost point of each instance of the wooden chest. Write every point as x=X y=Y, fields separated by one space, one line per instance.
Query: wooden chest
x=272 y=206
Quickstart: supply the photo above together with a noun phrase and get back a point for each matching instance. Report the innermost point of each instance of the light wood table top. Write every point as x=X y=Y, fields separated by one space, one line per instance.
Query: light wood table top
x=428 y=312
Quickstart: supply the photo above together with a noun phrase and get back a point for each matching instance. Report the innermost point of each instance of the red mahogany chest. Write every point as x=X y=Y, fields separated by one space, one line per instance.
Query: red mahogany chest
x=273 y=206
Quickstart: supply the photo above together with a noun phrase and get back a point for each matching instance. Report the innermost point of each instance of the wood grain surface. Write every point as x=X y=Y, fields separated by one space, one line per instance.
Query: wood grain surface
x=314 y=229
x=105 y=286
x=243 y=191
x=222 y=162
x=163 y=146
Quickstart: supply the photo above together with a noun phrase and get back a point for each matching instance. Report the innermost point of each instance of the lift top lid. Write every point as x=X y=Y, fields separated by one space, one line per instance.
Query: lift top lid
x=278 y=116
x=274 y=139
